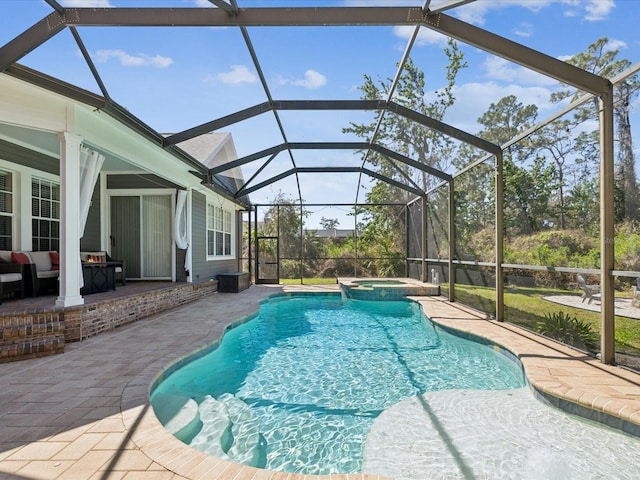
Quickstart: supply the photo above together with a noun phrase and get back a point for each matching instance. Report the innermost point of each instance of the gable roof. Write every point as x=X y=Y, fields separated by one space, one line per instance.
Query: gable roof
x=214 y=149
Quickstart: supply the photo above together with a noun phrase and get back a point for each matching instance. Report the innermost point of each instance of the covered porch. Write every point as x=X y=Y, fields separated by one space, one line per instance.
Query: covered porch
x=35 y=326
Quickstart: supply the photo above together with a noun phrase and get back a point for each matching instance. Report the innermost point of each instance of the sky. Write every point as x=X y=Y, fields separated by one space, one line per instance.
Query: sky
x=174 y=78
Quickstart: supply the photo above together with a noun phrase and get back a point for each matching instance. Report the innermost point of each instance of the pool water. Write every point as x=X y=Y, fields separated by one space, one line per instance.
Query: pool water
x=297 y=388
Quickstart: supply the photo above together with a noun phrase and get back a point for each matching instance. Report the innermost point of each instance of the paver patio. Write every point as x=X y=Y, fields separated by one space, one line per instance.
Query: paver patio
x=85 y=414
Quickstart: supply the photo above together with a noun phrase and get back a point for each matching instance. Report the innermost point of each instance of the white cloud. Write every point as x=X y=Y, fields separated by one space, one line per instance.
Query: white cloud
x=524 y=30
x=127 y=60
x=475 y=12
x=610 y=46
x=426 y=36
x=598 y=9
x=497 y=68
x=237 y=75
x=87 y=4
x=311 y=80
x=614 y=44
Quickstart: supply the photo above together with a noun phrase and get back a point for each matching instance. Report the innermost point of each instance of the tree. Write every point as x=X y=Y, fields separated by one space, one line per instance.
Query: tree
x=601 y=59
x=329 y=223
x=583 y=203
x=556 y=139
x=285 y=220
x=404 y=135
x=385 y=223
x=528 y=182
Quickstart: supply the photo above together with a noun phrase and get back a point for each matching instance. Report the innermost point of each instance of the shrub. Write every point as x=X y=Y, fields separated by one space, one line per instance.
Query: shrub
x=569 y=330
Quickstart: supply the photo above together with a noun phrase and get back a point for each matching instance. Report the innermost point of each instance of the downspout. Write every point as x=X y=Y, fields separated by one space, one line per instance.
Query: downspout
x=607 y=252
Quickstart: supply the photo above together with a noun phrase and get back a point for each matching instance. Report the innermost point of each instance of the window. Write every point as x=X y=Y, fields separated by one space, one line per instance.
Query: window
x=45 y=214
x=6 y=210
x=218 y=231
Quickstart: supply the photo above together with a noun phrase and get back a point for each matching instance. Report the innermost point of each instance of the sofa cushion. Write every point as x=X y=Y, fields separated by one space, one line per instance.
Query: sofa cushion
x=47 y=273
x=20 y=257
x=10 y=277
x=5 y=256
x=42 y=261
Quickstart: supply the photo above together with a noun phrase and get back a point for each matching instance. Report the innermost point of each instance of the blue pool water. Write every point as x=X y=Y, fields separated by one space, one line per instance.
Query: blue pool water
x=297 y=388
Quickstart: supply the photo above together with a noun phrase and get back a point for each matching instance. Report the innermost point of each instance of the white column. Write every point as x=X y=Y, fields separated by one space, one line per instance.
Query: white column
x=70 y=267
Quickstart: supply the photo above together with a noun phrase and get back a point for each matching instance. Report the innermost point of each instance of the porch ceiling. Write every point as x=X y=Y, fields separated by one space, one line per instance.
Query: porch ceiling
x=49 y=144
x=271 y=118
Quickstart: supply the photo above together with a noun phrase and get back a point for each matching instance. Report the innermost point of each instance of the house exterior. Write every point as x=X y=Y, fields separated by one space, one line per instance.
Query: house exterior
x=148 y=206
x=334 y=233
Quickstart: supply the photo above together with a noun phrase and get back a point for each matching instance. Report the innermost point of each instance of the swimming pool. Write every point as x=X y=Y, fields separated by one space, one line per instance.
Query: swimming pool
x=298 y=387
x=381 y=289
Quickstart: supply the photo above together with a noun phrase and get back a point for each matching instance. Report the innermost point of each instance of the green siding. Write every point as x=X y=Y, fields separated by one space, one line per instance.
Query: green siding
x=29 y=158
x=203 y=270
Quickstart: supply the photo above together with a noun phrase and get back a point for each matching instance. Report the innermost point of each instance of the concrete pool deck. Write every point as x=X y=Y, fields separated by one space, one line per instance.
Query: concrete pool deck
x=85 y=414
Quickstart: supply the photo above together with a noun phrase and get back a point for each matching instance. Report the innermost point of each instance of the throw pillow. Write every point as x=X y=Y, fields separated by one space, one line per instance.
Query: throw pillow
x=22 y=258
x=55 y=260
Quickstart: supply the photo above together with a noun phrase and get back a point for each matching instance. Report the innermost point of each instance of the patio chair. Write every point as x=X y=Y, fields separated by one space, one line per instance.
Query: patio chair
x=635 y=301
x=588 y=291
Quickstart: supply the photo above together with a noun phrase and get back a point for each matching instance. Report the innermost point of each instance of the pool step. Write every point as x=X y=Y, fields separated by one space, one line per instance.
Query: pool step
x=245 y=428
x=230 y=430
x=214 y=435
x=178 y=414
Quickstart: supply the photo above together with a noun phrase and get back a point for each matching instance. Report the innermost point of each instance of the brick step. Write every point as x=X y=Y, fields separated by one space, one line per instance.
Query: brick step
x=31 y=349
x=29 y=336
x=23 y=332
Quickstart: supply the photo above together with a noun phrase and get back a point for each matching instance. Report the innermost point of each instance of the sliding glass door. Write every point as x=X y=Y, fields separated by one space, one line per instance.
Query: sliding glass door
x=141 y=235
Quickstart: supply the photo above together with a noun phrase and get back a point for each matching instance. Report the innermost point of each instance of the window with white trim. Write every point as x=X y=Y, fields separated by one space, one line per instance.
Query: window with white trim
x=6 y=210
x=45 y=215
x=219 y=226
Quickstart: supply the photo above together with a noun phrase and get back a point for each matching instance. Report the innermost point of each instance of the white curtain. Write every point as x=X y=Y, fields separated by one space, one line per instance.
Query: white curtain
x=180 y=232
x=90 y=165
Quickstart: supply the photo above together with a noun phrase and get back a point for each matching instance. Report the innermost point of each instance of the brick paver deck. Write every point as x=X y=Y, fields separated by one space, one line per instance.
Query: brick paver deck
x=85 y=414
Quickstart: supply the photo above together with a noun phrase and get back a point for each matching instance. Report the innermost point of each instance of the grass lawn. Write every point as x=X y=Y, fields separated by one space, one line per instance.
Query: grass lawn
x=525 y=306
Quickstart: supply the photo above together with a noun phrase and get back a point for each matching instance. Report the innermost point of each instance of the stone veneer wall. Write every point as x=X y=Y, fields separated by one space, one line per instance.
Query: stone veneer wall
x=89 y=320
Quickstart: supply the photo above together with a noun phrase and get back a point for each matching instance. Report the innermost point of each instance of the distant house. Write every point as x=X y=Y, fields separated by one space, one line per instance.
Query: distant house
x=337 y=233
x=152 y=205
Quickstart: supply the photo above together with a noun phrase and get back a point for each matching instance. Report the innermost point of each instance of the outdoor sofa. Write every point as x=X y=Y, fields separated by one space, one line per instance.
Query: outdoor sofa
x=40 y=270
